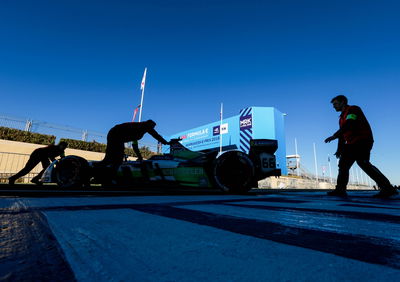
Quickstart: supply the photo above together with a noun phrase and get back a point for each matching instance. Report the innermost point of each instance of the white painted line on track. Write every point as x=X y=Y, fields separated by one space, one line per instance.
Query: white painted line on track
x=309 y=220
x=127 y=245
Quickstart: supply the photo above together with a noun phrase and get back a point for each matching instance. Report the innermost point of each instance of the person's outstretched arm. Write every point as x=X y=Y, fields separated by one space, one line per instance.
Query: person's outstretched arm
x=158 y=137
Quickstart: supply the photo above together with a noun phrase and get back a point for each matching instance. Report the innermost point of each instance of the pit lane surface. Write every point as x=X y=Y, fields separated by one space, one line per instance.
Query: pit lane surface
x=261 y=236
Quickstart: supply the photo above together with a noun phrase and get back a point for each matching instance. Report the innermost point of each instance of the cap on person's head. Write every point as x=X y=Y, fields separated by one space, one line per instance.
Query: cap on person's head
x=151 y=123
x=340 y=98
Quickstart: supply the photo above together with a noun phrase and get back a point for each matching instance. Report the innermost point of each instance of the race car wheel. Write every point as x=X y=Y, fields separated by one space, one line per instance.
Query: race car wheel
x=72 y=172
x=233 y=172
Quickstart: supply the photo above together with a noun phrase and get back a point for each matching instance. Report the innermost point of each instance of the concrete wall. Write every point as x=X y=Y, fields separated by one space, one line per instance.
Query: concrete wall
x=302 y=183
x=27 y=148
x=14 y=155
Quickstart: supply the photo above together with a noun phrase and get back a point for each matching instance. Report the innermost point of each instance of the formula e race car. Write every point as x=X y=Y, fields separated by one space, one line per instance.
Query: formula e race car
x=231 y=171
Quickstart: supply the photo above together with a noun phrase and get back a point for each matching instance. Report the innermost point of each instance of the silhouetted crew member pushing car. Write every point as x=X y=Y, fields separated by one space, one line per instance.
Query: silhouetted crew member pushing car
x=126 y=132
x=354 y=145
x=40 y=155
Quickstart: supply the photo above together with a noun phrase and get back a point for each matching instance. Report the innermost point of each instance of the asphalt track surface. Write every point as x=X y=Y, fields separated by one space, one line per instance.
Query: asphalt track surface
x=193 y=235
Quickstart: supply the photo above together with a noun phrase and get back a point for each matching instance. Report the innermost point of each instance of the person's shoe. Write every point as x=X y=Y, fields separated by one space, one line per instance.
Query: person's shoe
x=337 y=193
x=386 y=193
x=11 y=180
x=36 y=181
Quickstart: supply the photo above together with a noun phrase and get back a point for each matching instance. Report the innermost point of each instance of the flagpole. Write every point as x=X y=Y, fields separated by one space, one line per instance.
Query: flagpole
x=316 y=166
x=142 y=87
x=361 y=177
x=297 y=157
x=220 y=127
x=330 y=169
x=358 y=179
x=352 y=175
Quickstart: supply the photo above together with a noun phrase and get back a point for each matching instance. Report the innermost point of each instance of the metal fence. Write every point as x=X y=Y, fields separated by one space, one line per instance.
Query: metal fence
x=11 y=163
x=60 y=131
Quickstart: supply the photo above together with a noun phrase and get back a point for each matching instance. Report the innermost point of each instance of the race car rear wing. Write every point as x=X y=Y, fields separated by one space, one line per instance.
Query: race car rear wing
x=264 y=145
x=262 y=154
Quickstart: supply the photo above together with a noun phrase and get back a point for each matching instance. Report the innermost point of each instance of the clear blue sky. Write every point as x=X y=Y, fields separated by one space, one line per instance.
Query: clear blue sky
x=80 y=63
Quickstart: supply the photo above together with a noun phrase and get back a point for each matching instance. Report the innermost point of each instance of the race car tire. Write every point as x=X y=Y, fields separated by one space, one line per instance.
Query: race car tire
x=233 y=172
x=72 y=172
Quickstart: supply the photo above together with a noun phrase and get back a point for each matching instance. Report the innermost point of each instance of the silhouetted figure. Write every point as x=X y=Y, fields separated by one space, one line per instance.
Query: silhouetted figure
x=354 y=145
x=126 y=132
x=43 y=155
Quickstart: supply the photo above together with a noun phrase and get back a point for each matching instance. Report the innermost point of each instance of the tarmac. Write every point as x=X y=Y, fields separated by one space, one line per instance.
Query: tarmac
x=194 y=235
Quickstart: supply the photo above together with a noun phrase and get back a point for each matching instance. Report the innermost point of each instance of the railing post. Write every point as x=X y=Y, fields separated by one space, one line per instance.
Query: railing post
x=28 y=125
x=84 y=135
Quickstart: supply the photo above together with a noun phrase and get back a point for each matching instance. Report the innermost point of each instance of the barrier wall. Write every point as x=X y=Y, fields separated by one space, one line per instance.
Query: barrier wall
x=14 y=155
x=237 y=131
x=287 y=182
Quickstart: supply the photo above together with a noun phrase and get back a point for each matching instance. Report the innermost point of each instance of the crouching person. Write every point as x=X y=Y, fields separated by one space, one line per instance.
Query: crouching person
x=41 y=155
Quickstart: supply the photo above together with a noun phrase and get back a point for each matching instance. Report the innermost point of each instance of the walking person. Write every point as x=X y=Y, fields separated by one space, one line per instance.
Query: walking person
x=355 y=141
x=40 y=155
x=126 y=132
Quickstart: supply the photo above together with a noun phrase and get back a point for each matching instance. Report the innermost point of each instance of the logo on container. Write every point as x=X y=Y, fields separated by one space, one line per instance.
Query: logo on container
x=216 y=130
x=246 y=122
x=220 y=129
x=224 y=128
x=196 y=134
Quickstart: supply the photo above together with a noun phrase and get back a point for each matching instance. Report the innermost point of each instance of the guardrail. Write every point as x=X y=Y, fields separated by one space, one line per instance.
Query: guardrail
x=11 y=163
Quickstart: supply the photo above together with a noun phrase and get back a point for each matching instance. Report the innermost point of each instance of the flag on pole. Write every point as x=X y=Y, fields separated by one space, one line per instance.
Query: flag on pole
x=143 y=80
x=135 y=112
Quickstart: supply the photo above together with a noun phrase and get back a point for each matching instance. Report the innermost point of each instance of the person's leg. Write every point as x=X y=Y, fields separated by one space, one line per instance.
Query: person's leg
x=346 y=161
x=114 y=150
x=116 y=160
x=113 y=158
x=363 y=161
x=375 y=174
x=114 y=153
x=109 y=152
x=30 y=164
x=45 y=163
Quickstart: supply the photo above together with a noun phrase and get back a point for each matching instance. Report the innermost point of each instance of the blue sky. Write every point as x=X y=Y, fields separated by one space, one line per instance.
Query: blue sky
x=80 y=63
